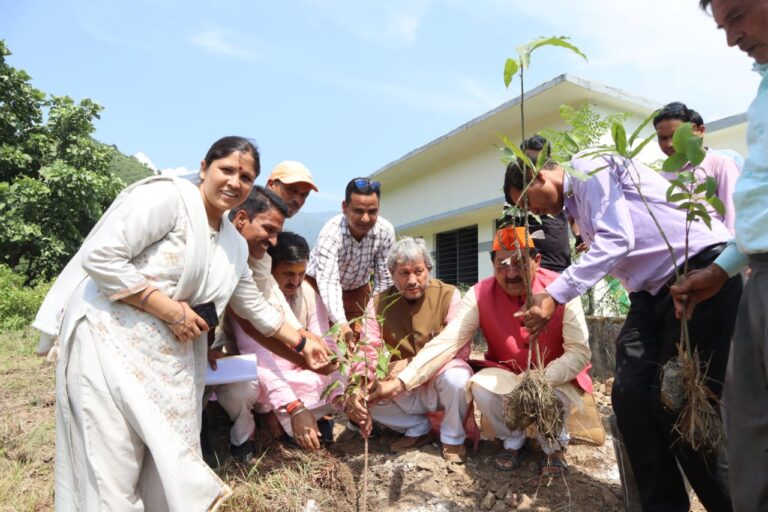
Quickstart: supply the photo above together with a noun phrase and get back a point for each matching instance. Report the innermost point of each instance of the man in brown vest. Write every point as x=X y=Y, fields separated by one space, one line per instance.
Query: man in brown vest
x=414 y=310
x=490 y=306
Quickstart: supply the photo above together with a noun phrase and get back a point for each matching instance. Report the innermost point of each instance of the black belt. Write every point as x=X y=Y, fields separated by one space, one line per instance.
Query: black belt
x=700 y=260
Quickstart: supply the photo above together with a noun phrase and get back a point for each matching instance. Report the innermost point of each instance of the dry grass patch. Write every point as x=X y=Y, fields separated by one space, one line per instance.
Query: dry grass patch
x=27 y=424
x=286 y=479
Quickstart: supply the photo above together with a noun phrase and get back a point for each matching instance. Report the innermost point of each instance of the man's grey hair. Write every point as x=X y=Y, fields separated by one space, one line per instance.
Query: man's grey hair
x=408 y=250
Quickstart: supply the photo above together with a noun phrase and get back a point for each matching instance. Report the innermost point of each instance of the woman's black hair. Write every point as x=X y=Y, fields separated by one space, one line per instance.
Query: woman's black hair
x=225 y=146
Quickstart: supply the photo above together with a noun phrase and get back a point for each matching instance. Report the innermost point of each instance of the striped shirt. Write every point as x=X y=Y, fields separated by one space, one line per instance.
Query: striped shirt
x=339 y=262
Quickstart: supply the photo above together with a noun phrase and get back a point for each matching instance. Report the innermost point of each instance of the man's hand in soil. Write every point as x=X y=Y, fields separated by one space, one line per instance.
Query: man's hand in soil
x=305 y=431
x=697 y=286
x=537 y=316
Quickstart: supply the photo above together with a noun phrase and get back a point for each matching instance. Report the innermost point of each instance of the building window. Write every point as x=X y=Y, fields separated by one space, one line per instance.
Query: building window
x=456 y=256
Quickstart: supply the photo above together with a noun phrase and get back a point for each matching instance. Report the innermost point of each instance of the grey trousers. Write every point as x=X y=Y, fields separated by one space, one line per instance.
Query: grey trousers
x=747 y=419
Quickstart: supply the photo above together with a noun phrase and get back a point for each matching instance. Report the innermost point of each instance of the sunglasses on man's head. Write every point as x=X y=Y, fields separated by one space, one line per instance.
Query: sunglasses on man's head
x=366 y=184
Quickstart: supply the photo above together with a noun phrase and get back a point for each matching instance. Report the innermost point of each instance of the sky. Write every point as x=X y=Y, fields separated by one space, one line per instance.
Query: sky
x=347 y=86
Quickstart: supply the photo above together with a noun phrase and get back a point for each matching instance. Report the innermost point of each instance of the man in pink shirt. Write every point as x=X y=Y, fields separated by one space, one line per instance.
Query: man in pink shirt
x=259 y=220
x=724 y=169
x=292 y=383
x=285 y=387
x=414 y=310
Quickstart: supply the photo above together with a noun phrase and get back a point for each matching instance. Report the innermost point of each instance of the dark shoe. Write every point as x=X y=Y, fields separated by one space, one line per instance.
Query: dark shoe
x=325 y=426
x=242 y=453
x=406 y=443
x=209 y=456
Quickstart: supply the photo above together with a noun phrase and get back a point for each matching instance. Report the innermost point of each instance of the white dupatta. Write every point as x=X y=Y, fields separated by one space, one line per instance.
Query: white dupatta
x=198 y=487
x=51 y=313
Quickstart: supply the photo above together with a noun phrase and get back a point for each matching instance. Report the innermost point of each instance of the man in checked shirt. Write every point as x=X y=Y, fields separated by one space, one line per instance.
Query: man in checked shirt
x=349 y=247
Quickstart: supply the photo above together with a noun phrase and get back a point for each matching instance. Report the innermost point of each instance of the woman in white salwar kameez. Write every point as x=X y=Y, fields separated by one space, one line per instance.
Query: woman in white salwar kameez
x=132 y=353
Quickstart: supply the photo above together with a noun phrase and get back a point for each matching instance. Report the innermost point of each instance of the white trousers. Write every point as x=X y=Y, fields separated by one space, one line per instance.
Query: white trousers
x=238 y=400
x=406 y=413
x=112 y=468
x=491 y=406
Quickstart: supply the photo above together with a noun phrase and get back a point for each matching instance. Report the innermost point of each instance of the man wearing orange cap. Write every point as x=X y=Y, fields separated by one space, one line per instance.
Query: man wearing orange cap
x=292 y=182
x=490 y=306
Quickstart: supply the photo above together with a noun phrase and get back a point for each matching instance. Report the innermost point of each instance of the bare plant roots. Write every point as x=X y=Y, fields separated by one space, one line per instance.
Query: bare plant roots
x=684 y=382
x=533 y=403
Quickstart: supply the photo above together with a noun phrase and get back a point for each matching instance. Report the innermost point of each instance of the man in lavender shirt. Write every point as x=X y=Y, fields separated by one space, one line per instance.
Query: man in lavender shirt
x=624 y=241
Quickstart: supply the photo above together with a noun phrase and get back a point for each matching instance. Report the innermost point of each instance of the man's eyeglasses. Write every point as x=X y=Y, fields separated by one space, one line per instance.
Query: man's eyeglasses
x=365 y=185
x=505 y=266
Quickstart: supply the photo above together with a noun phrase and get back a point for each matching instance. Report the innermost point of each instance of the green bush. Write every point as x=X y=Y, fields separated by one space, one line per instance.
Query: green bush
x=18 y=303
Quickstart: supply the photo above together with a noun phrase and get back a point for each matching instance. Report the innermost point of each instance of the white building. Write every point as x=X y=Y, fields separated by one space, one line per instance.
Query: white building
x=449 y=191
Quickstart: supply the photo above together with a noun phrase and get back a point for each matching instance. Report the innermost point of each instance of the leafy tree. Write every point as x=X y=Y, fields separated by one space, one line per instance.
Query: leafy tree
x=18 y=303
x=587 y=127
x=54 y=177
x=128 y=168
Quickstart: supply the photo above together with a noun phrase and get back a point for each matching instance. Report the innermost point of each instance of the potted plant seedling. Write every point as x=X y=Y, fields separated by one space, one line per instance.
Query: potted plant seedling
x=533 y=403
x=684 y=377
x=360 y=363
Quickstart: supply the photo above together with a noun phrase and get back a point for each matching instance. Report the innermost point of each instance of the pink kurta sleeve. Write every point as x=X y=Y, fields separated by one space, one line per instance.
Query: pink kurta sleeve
x=271 y=378
x=726 y=175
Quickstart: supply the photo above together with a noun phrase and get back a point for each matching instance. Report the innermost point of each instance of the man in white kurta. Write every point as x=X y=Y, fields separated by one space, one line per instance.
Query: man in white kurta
x=406 y=316
x=258 y=220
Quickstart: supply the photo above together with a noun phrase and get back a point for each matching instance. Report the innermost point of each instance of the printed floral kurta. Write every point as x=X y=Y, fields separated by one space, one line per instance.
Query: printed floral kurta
x=159 y=380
